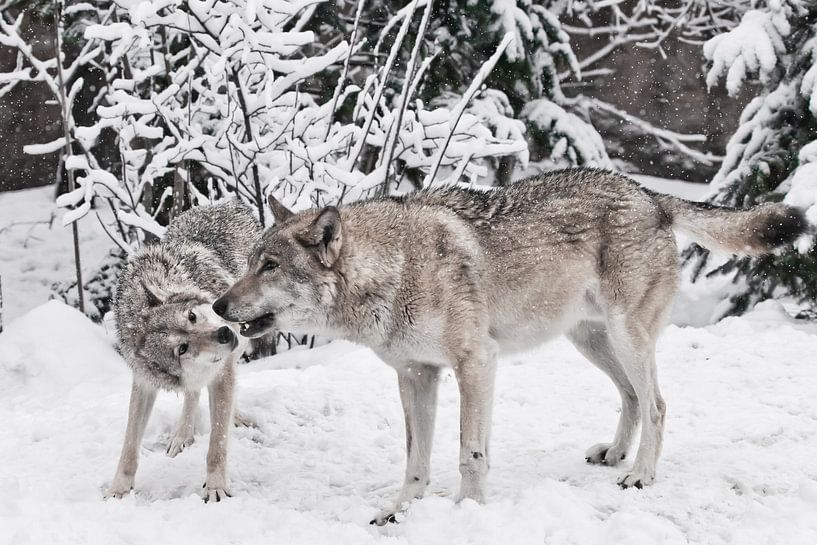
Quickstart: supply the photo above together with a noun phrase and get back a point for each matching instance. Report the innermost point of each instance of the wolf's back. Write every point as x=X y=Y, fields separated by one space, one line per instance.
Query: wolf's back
x=227 y=228
x=753 y=231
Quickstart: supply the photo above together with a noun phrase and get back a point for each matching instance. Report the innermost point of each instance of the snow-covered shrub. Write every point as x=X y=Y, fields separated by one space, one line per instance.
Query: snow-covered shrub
x=248 y=96
x=462 y=34
x=207 y=99
x=771 y=156
x=211 y=98
x=564 y=135
x=99 y=290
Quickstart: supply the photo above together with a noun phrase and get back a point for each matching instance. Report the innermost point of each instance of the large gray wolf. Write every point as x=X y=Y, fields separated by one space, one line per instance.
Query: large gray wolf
x=171 y=338
x=454 y=277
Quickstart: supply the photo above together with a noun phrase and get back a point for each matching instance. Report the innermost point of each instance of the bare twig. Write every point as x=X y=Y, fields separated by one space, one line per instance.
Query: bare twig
x=117 y=240
x=398 y=41
x=66 y=124
x=345 y=72
x=663 y=35
x=248 y=137
x=662 y=135
x=408 y=87
x=9 y=226
x=610 y=29
x=463 y=103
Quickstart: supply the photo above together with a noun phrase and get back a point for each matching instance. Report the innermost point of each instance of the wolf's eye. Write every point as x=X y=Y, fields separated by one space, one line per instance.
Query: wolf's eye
x=192 y=317
x=269 y=265
x=183 y=348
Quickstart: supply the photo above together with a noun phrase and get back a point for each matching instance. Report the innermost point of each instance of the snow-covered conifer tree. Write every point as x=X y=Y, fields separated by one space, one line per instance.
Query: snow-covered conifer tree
x=773 y=154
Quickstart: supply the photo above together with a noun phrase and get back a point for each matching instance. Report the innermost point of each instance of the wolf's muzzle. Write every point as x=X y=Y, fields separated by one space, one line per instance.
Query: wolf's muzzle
x=225 y=335
x=220 y=307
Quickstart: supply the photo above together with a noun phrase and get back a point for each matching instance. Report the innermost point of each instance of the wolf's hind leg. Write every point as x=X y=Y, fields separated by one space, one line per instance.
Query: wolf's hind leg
x=475 y=368
x=591 y=339
x=635 y=348
x=418 y=393
x=183 y=436
x=638 y=283
x=142 y=397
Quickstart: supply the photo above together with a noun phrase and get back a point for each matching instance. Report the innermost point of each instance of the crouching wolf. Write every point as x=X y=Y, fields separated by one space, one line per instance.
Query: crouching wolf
x=171 y=338
x=455 y=277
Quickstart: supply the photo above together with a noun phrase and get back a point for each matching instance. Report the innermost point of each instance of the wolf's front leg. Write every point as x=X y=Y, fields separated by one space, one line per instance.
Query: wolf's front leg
x=222 y=390
x=475 y=370
x=418 y=393
x=142 y=397
x=183 y=436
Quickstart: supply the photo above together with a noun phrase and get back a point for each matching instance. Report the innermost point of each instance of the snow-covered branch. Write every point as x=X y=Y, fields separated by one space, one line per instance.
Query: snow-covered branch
x=667 y=138
x=752 y=47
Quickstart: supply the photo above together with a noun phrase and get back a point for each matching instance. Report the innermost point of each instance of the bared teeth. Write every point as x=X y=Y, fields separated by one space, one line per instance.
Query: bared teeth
x=244 y=327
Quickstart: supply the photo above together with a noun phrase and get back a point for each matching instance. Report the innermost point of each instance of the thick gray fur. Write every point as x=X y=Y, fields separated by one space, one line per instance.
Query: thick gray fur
x=163 y=285
x=456 y=277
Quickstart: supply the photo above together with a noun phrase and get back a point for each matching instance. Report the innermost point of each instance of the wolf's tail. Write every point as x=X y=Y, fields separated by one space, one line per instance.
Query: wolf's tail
x=755 y=231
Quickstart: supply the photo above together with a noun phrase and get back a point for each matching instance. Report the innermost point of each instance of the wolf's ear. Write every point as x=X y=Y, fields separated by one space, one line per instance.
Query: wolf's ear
x=280 y=212
x=155 y=295
x=324 y=236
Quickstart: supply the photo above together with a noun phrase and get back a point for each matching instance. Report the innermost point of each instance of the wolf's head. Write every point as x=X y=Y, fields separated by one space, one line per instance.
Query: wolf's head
x=179 y=342
x=290 y=281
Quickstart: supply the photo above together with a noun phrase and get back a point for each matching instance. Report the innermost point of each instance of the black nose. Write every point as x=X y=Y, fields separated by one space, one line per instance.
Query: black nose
x=220 y=307
x=225 y=335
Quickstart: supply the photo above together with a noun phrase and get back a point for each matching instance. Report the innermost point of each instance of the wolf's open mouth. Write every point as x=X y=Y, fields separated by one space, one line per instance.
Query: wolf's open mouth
x=257 y=327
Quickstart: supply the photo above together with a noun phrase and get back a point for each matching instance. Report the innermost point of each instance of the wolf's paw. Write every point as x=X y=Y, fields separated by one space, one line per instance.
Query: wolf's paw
x=636 y=479
x=215 y=494
x=120 y=487
x=178 y=443
x=388 y=516
x=242 y=421
x=605 y=453
x=216 y=489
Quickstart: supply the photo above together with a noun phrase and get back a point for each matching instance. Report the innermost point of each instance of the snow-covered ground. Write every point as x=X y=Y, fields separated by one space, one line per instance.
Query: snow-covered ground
x=328 y=452
x=686 y=190
x=737 y=466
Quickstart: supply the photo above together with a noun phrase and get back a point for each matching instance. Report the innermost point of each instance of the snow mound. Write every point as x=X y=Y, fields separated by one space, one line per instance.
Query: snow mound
x=53 y=349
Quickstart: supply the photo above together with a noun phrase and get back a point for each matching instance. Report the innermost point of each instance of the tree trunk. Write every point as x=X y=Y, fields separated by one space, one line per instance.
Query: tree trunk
x=504 y=170
x=147 y=202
